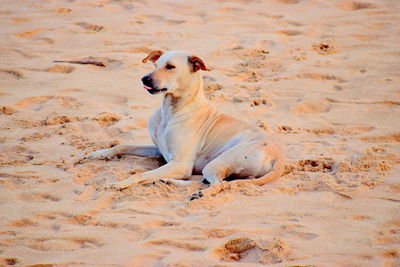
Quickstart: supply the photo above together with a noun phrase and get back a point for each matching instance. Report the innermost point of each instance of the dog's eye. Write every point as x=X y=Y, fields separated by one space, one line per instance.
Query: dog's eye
x=169 y=67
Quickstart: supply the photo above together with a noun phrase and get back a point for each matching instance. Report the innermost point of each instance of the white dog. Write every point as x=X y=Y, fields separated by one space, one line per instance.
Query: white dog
x=192 y=136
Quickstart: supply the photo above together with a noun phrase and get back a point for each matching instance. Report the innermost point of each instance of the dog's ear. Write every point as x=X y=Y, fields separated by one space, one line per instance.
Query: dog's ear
x=197 y=64
x=153 y=56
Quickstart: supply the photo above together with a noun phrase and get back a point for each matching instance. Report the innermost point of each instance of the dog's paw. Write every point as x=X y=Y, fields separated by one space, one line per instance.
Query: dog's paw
x=196 y=195
x=170 y=181
x=100 y=154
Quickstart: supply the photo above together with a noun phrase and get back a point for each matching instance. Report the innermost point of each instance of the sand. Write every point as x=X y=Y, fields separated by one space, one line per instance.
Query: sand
x=323 y=76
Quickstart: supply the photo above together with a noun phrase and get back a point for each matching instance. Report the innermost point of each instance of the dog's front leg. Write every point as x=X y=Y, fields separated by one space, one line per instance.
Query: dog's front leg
x=173 y=169
x=119 y=150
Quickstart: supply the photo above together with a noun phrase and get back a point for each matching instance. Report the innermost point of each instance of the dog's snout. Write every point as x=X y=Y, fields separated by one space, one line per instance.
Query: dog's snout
x=147 y=80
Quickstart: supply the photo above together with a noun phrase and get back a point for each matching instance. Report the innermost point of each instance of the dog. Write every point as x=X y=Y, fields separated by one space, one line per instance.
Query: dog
x=193 y=136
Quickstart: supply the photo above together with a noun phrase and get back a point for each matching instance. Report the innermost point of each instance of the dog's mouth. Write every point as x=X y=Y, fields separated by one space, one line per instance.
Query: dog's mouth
x=152 y=90
x=148 y=84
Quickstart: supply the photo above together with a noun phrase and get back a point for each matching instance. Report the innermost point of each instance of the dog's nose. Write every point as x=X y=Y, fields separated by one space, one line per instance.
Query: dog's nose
x=148 y=81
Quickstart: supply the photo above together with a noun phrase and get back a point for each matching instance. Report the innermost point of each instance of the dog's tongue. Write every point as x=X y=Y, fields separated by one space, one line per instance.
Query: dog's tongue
x=147 y=87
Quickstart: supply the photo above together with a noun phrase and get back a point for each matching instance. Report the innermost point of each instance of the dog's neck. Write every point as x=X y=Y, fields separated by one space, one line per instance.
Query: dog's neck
x=192 y=97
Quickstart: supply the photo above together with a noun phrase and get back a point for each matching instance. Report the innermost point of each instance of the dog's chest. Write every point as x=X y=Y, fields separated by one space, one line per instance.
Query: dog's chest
x=162 y=140
x=162 y=134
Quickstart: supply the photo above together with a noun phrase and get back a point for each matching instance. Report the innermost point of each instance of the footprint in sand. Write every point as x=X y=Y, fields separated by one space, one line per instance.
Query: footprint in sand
x=176 y=244
x=16 y=155
x=249 y=250
x=344 y=131
x=65 y=220
x=8 y=261
x=70 y=90
x=60 y=69
x=90 y=27
x=63 y=244
x=55 y=119
x=105 y=62
x=30 y=102
x=365 y=37
x=35 y=137
x=86 y=174
x=106 y=119
x=289 y=32
x=55 y=69
x=135 y=50
x=38 y=197
x=324 y=48
x=39 y=102
x=24 y=222
x=218 y=233
x=288 y=129
x=210 y=86
x=312 y=76
x=354 y=130
x=393 y=256
x=303 y=235
x=315 y=165
x=16 y=74
x=24 y=53
x=351 y=5
x=62 y=10
x=246 y=76
x=31 y=34
x=4 y=110
x=149 y=259
x=391 y=138
x=319 y=76
x=20 y=20
x=311 y=107
x=359 y=217
x=288 y=1
x=389 y=233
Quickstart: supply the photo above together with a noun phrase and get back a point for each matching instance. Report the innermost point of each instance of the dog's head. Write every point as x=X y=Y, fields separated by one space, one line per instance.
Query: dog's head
x=174 y=71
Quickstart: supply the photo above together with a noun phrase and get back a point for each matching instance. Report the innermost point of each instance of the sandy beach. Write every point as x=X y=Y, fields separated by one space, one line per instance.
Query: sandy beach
x=322 y=76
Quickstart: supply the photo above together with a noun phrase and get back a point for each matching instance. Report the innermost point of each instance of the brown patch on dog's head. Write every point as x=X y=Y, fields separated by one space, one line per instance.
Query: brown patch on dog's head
x=197 y=64
x=153 y=56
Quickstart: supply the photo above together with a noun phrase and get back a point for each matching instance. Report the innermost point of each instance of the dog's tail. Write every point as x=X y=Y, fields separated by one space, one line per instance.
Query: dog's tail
x=277 y=169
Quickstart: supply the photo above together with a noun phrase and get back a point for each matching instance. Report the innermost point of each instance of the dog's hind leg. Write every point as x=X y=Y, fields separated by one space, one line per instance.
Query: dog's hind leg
x=241 y=161
x=214 y=172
